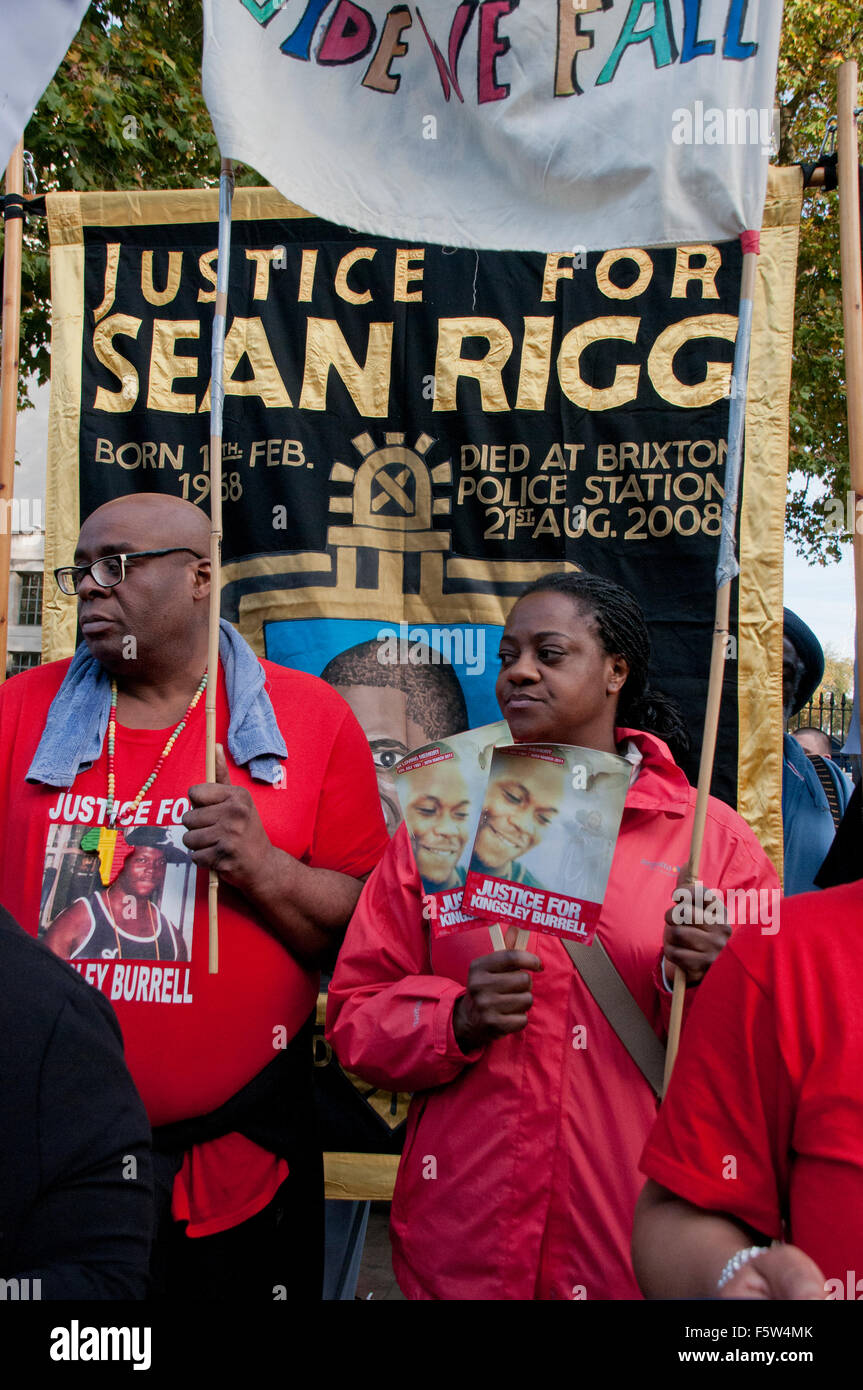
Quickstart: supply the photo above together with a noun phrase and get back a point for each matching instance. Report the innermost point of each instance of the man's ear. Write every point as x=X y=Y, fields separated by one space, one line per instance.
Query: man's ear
x=202 y=579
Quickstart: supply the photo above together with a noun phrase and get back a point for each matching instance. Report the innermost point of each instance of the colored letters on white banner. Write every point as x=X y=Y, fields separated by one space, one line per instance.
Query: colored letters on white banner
x=541 y=125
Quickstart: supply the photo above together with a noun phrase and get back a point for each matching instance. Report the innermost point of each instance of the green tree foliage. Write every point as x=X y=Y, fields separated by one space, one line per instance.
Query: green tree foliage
x=123 y=111
x=838 y=674
x=817 y=35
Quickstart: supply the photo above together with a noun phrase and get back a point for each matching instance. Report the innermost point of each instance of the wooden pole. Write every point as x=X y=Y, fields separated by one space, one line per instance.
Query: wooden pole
x=217 y=399
x=852 y=314
x=852 y=271
x=705 y=776
x=726 y=570
x=14 y=232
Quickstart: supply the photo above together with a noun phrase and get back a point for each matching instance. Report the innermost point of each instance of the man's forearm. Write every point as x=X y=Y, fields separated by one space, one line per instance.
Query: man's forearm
x=307 y=908
x=678 y=1250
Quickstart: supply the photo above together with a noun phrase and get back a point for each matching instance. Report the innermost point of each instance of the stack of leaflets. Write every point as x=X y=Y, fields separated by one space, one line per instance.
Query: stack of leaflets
x=546 y=837
x=542 y=820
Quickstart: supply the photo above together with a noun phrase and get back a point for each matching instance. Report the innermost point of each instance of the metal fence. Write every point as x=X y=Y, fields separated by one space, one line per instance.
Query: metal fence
x=832 y=715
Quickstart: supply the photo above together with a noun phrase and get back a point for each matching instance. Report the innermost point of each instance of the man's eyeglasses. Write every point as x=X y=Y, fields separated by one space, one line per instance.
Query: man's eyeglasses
x=109 y=570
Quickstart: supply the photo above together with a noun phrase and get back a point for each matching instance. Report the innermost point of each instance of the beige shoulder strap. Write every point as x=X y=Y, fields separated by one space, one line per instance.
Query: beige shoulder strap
x=598 y=972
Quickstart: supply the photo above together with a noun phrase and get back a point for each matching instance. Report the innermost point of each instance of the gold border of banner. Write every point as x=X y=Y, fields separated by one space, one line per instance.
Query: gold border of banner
x=762 y=516
x=164 y=206
x=64 y=417
x=352 y=1177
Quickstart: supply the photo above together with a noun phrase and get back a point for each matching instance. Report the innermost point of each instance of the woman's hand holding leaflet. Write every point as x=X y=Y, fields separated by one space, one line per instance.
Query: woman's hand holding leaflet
x=498 y=997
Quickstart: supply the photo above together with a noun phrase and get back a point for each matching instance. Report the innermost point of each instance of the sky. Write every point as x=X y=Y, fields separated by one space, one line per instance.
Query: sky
x=823 y=598
x=31 y=441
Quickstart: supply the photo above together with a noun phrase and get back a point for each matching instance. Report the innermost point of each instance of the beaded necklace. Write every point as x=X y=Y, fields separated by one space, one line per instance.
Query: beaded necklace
x=104 y=838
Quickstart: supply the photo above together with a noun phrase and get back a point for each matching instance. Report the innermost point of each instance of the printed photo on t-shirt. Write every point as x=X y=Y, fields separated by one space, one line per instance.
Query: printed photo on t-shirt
x=126 y=898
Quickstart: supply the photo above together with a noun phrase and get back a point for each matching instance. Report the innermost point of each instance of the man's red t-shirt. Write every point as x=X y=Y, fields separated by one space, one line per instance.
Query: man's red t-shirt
x=192 y=1039
x=764 y=1114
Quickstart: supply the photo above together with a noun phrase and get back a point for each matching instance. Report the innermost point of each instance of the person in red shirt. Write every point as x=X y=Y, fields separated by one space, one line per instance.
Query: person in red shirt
x=519 y=1175
x=292 y=825
x=760 y=1137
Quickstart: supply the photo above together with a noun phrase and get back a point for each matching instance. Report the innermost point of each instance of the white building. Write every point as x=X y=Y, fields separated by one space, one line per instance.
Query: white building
x=25 y=519
x=24 y=643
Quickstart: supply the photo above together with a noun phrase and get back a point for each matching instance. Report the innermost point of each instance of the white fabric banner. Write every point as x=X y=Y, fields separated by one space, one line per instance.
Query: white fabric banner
x=545 y=125
x=36 y=35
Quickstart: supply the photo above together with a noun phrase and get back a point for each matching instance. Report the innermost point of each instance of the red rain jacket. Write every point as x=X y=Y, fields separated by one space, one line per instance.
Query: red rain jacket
x=520 y=1169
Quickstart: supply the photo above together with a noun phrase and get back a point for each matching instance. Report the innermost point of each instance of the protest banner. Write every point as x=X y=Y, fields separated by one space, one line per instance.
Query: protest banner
x=397 y=468
x=412 y=433
x=602 y=123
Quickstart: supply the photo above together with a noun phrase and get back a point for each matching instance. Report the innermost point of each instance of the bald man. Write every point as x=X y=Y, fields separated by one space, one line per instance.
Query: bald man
x=292 y=825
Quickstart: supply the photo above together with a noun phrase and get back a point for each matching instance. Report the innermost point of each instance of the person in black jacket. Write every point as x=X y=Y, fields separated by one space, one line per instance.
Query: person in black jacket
x=76 y=1196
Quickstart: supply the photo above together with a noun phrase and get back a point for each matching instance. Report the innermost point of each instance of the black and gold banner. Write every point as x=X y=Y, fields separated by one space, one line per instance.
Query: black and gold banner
x=413 y=433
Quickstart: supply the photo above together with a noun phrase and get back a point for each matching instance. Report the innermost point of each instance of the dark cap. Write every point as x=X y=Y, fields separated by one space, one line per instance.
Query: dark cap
x=154 y=837
x=811 y=653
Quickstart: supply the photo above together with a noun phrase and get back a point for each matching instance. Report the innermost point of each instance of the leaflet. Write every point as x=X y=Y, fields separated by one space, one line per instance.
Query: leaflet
x=545 y=838
x=441 y=787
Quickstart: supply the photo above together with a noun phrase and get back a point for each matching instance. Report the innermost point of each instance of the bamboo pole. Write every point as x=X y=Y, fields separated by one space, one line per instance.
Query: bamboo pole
x=727 y=568
x=852 y=314
x=217 y=400
x=14 y=233
x=705 y=775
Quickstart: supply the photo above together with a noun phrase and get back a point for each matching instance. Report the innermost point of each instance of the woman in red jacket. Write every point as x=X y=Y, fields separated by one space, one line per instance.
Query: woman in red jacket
x=520 y=1170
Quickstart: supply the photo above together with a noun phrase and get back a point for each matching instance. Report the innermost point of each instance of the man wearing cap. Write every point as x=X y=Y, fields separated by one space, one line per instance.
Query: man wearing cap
x=125 y=919
x=95 y=751
x=808 y=819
